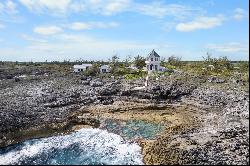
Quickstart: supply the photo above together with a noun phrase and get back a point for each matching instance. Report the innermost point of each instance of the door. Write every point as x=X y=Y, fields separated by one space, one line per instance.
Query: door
x=151 y=67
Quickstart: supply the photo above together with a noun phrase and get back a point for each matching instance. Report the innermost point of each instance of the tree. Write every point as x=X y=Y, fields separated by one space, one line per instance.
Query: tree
x=114 y=63
x=244 y=66
x=163 y=62
x=139 y=62
x=174 y=61
x=219 y=64
x=92 y=71
x=127 y=61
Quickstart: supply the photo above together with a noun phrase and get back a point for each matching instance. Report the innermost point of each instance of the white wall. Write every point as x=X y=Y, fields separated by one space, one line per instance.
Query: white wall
x=155 y=61
x=105 y=68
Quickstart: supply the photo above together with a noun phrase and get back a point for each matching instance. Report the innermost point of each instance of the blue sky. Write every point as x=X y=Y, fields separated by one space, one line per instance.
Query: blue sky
x=39 y=30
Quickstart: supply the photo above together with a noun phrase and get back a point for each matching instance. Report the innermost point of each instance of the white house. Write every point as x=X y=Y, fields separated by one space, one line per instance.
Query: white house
x=153 y=61
x=105 y=69
x=211 y=67
x=236 y=67
x=82 y=67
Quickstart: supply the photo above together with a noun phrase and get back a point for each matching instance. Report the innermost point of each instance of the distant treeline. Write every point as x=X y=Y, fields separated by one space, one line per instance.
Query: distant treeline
x=203 y=61
x=52 y=62
x=92 y=61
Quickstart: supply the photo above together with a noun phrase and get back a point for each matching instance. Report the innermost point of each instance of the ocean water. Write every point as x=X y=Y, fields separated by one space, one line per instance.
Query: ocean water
x=133 y=129
x=86 y=146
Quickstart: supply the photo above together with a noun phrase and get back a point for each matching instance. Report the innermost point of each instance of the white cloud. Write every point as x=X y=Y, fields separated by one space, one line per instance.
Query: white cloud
x=53 y=6
x=8 y=7
x=240 y=14
x=200 y=23
x=11 y=7
x=47 y=30
x=32 y=39
x=9 y=11
x=161 y=10
x=91 y=25
x=233 y=47
x=116 y=6
x=76 y=46
x=80 y=26
x=110 y=7
x=107 y=7
x=76 y=6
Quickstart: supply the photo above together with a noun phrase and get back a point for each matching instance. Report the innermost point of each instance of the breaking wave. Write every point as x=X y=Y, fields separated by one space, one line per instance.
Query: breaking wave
x=86 y=146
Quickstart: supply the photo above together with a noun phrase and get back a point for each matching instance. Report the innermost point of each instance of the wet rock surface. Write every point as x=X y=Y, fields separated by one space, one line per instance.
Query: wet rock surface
x=218 y=133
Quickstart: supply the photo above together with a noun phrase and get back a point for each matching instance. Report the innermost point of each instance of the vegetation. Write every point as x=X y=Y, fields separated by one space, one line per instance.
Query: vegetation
x=136 y=75
x=209 y=66
x=174 y=61
x=114 y=63
x=92 y=71
x=139 y=62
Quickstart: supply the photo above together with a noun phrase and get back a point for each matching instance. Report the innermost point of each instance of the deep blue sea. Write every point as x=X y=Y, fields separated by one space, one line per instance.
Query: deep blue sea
x=86 y=146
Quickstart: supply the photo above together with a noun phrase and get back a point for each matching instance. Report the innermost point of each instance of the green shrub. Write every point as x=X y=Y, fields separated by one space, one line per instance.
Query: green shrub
x=92 y=71
x=121 y=71
x=135 y=75
x=139 y=62
x=175 y=61
x=170 y=67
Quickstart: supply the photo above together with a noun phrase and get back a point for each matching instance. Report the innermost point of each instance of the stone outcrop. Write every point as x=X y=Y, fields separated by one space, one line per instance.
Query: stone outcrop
x=221 y=136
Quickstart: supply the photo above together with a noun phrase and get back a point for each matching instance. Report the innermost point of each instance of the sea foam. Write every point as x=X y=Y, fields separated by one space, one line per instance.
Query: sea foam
x=86 y=146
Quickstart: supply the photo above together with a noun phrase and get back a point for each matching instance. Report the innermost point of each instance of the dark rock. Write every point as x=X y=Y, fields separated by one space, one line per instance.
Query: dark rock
x=216 y=80
x=96 y=83
x=85 y=82
x=17 y=79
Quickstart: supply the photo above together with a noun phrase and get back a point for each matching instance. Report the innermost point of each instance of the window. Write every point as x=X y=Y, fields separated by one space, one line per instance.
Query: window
x=79 y=69
x=152 y=59
x=156 y=59
x=156 y=67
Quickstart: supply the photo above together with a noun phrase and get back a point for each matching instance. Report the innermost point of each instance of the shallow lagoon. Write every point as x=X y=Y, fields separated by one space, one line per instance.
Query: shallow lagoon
x=133 y=129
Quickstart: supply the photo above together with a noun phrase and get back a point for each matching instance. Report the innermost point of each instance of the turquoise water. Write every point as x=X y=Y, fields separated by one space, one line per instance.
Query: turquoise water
x=133 y=129
x=87 y=147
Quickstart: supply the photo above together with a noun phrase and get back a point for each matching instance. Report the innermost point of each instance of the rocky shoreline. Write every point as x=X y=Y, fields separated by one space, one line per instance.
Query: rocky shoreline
x=205 y=123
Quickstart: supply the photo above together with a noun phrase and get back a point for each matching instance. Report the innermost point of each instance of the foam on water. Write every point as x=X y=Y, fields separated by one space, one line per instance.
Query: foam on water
x=86 y=146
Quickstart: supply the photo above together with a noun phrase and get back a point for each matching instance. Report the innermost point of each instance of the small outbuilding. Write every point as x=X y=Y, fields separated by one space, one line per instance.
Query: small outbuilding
x=105 y=69
x=211 y=67
x=132 y=67
x=82 y=67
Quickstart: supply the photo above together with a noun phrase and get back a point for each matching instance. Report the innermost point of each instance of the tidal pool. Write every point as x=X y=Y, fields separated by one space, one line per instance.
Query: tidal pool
x=133 y=129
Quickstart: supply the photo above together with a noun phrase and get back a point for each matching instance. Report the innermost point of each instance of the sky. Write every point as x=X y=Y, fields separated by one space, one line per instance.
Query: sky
x=57 y=30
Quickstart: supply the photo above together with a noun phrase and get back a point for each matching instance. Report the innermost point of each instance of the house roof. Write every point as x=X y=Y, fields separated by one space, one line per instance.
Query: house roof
x=82 y=66
x=105 y=66
x=153 y=53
